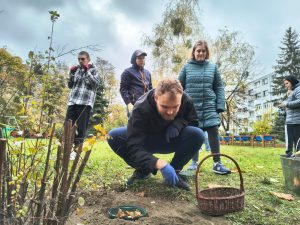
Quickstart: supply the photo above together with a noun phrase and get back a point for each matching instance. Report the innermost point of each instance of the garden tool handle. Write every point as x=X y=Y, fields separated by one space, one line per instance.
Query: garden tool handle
x=218 y=154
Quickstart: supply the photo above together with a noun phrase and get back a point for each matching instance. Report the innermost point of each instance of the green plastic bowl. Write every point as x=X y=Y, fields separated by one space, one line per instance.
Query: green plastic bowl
x=112 y=212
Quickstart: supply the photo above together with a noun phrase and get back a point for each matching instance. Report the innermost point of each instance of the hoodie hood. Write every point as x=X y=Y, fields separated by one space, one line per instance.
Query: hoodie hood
x=135 y=54
x=295 y=86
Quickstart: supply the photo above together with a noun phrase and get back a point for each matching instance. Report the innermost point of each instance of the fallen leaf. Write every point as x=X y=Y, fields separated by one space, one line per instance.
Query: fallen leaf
x=256 y=207
x=214 y=185
x=235 y=170
x=81 y=201
x=141 y=194
x=259 y=167
x=152 y=202
x=269 y=208
x=288 y=197
x=273 y=180
x=296 y=181
x=79 y=211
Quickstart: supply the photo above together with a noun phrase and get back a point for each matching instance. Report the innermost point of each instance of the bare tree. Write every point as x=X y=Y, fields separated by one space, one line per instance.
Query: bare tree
x=235 y=59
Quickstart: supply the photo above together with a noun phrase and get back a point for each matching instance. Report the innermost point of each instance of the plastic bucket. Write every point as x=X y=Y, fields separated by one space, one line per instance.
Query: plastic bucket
x=6 y=132
x=291 y=173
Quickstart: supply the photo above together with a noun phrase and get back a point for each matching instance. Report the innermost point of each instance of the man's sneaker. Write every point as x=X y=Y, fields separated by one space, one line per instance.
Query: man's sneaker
x=182 y=184
x=287 y=155
x=137 y=175
x=219 y=168
x=193 y=166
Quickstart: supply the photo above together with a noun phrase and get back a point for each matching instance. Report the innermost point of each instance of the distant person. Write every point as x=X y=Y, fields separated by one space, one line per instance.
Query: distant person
x=163 y=121
x=135 y=80
x=83 y=82
x=201 y=80
x=292 y=108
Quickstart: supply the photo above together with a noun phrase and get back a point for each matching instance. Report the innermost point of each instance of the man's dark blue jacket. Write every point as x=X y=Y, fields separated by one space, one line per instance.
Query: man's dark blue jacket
x=132 y=85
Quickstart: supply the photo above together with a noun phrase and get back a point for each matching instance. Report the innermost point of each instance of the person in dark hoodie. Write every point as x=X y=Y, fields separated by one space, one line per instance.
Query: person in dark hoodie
x=292 y=108
x=163 y=121
x=135 y=80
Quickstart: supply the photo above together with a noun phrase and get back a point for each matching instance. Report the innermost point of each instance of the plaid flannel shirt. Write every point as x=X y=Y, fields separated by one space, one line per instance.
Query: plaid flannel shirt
x=83 y=85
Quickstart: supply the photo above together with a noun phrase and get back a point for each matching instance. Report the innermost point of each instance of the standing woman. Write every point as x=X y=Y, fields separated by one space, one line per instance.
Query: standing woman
x=201 y=80
x=292 y=108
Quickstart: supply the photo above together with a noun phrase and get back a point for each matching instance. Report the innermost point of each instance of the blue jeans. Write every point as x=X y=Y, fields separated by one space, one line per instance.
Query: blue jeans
x=184 y=146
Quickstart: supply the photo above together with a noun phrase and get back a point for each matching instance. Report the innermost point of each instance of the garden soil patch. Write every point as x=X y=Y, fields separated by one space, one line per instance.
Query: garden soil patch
x=161 y=211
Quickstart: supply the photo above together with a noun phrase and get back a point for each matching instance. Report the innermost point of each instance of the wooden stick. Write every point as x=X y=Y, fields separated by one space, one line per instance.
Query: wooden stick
x=74 y=186
x=2 y=187
x=41 y=195
x=65 y=163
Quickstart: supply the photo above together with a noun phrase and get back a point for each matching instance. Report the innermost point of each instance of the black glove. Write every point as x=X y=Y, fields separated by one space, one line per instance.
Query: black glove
x=172 y=132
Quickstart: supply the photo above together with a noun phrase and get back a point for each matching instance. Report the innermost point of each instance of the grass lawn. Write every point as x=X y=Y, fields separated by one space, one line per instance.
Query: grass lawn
x=262 y=174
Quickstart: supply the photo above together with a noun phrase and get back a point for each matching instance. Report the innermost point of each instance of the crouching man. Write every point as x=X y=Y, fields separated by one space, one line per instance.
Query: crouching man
x=163 y=121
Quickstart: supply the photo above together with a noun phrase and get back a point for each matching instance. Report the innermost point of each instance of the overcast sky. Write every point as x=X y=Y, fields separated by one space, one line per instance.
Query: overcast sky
x=118 y=25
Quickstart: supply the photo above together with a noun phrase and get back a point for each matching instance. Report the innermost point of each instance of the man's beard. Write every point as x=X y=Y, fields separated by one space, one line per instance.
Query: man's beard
x=167 y=118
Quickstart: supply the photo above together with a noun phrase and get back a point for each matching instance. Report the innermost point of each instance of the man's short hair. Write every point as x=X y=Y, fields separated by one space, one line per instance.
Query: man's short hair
x=85 y=53
x=169 y=85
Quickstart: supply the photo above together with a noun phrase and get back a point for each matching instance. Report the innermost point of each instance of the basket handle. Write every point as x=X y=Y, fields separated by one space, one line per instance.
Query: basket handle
x=218 y=154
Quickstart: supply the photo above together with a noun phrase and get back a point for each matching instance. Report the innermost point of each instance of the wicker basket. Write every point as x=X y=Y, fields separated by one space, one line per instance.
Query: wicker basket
x=220 y=200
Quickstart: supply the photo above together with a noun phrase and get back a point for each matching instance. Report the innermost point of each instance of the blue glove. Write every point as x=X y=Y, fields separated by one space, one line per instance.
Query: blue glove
x=169 y=174
x=172 y=132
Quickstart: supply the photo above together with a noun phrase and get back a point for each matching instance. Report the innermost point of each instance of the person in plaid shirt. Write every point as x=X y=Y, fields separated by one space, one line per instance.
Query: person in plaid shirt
x=83 y=82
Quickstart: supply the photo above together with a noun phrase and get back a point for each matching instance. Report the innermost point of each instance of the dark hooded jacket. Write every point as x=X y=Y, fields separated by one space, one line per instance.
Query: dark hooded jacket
x=145 y=120
x=132 y=85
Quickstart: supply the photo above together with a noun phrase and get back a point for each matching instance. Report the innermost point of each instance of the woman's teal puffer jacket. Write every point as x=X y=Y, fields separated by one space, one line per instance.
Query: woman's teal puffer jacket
x=202 y=81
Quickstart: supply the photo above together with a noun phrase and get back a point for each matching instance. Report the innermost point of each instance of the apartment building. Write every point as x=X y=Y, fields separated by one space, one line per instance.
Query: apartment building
x=257 y=102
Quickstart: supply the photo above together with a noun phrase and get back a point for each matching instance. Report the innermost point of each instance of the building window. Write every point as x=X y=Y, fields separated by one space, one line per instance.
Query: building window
x=257 y=84
x=251 y=114
x=258 y=106
x=250 y=92
x=265 y=81
x=250 y=103
x=258 y=117
x=257 y=95
x=265 y=93
x=266 y=105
